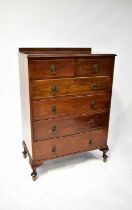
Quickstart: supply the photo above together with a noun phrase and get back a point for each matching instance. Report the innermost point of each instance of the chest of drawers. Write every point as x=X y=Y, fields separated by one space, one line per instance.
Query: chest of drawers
x=65 y=101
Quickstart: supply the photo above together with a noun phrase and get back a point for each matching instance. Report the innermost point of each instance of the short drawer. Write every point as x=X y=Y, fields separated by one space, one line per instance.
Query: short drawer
x=51 y=68
x=53 y=107
x=71 y=144
x=69 y=86
x=95 y=67
x=45 y=129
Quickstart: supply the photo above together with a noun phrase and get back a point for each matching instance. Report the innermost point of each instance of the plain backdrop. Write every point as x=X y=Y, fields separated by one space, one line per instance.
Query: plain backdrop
x=82 y=181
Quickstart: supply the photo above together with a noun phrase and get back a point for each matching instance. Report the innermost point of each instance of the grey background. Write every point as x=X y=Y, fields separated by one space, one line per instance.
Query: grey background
x=82 y=181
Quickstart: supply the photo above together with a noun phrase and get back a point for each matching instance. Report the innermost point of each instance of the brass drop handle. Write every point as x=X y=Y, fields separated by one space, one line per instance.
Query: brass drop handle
x=53 y=69
x=90 y=141
x=92 y=123
x=94 y=86
x=93 y=104
x=53 y=128
x=95 y=68
x=53 y=108
x=53 y=89
x=53 y=149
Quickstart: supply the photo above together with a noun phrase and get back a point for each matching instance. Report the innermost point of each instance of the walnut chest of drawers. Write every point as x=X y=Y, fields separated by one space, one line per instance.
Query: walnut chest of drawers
x=65 y=101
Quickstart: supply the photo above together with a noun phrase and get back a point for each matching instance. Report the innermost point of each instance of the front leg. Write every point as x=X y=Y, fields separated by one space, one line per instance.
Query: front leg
x=34 y=175
x=104 y=150
x=34 y=167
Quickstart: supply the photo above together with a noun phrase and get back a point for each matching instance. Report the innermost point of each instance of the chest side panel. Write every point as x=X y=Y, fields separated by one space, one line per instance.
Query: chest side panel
x=25 y=102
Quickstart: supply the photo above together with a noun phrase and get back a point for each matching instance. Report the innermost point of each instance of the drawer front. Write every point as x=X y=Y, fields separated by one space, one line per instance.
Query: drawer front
x=45 y=129
x=69 y=86
x=51 y=108
x=71 y=144
x=95 y=67
x=51 y=68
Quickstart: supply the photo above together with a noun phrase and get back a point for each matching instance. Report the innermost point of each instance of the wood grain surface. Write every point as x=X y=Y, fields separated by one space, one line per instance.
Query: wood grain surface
x=95 y=67
x=69 y=86
x=54 y=51
x=45 y=129
x=67 y=145
x=54 y=107
x=51 y=68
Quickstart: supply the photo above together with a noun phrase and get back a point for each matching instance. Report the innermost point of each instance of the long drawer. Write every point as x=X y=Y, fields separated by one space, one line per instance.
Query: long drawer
x=95 y=67
x=69 y=86
x=45 y=129
x=53 y=107
x=67 y=145
x=51 y=68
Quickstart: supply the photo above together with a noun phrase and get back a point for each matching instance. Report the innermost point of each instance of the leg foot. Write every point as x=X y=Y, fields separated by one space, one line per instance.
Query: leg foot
x=105 y=157
x=24 y=153
x=34 y=175
x=34 y=164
